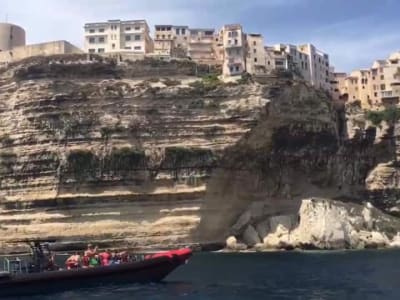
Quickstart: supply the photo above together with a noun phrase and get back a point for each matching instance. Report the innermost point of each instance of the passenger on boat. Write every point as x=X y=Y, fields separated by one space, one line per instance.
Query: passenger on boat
x=91 y=258
x=73 y=262
x=105 y=258
x=123 y=256
x=114 y=260
x=52 y=266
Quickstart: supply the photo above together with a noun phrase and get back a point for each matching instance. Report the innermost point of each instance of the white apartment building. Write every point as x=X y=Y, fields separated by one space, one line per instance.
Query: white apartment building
x=234 y=50
x=256 y=55
x=116 y=36
x=318 y=64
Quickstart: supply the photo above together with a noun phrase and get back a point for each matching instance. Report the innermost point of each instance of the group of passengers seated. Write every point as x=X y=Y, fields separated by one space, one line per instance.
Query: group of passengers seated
x=93 y=258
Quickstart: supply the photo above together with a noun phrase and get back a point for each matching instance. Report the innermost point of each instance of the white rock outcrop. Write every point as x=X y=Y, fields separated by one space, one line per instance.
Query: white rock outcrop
x=326 y=224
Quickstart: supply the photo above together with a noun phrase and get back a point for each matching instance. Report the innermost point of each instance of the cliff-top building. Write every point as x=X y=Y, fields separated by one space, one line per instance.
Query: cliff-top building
x=379 y=85
x=116 y=36
x=13 y=47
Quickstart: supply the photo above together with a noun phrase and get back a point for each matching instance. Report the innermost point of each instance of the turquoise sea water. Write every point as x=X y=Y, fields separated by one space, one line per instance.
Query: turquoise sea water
x=280 y=275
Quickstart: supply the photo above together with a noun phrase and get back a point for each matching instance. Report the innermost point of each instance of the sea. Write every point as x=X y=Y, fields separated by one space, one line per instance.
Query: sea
x=368 y=274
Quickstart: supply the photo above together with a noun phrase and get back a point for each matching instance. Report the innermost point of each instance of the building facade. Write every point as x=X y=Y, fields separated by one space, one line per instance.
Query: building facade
x=234 y=50
x=116 y=36
x=11 y=36
x=202 y=45
x=318 y=65
x=171 y=40
x=42 y=49
x=256 y=54
x=374 y=87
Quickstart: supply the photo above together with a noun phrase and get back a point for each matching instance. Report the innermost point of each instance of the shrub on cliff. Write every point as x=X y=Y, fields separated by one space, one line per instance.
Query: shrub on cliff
x=82 y=163
x=391 y=115
x=124 y=159
x=177 y=158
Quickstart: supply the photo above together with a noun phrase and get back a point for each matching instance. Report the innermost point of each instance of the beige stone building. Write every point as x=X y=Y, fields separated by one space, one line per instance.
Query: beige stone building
x=379 y=85
x=202 y=45
x=116 y=36
x=256 y=54
x=337 y=84
x=42 y=49
x=171 y=40
x=234 y=50
x=11 y=36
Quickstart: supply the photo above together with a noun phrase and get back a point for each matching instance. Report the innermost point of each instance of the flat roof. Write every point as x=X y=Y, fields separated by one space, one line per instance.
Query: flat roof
x=114 y=21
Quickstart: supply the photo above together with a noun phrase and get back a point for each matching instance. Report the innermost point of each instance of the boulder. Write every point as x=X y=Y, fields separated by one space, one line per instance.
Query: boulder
x=250 y=236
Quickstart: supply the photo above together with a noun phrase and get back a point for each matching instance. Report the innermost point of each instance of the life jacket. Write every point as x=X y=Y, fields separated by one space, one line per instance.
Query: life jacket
x=85 y=261
x=72 y=262
x=105 y=258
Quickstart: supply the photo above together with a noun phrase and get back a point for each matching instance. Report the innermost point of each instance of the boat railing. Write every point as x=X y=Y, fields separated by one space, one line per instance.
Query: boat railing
x=15 y=266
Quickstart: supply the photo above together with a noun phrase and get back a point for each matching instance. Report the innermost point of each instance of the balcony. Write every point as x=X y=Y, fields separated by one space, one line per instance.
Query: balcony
x=202 y=40
x=235 y=61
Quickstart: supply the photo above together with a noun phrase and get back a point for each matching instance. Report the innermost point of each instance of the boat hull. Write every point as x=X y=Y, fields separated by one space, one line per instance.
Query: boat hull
x=149 y=270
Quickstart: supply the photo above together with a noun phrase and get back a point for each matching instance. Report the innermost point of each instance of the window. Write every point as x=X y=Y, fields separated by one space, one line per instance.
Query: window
x=255 y=59
x=231 y=69
x=138 y=48
x=383 y=87
x=229 y=42
x=158 y=36
x=382 y=77
x=183 y=31
x=376 y=94
x=254 y=50
x=177 y=31
x=128 y=48
x=169 y=36
x=113 y=46
x=269 y=63
x=163 y=36
x=100 y=50
x=127 y=28
x=101 y=40
x=127 y=38
x=230 y=34
x=237 y=69
x=254 y=43
x=101 y=30
x=236 y=41
x=137 y=37
x=92 y=40
x=137 y=28
x=92 y=50
x=373 y=77
x=185 y=38
x=91 y=31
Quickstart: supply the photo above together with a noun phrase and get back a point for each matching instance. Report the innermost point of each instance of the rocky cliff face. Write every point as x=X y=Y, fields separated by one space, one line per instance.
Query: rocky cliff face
x=95 y=151
x=302 y=148
x=148 y=155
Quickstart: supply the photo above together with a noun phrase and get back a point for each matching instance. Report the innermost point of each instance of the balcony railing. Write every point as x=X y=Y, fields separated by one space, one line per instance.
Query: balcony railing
x=235 y=61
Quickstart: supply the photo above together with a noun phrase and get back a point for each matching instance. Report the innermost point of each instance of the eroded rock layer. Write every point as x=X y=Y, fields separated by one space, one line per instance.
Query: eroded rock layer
x=95 y=151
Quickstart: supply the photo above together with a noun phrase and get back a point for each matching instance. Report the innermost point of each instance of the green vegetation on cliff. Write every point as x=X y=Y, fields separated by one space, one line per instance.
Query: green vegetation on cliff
x=390 y=115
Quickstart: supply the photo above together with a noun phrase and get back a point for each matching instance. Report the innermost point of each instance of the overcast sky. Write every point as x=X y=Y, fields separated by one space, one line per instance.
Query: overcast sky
x=352 y=32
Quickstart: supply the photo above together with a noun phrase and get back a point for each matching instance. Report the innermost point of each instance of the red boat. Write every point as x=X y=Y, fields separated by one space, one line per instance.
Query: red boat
x=153 y=268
